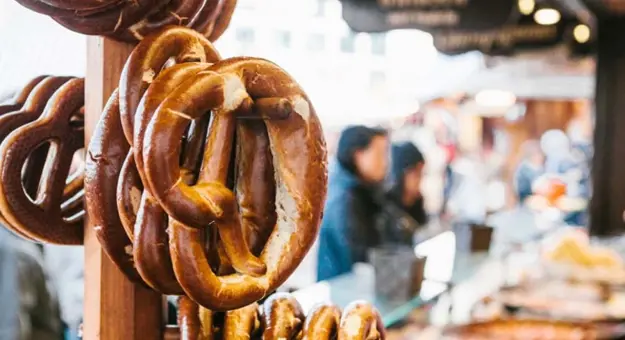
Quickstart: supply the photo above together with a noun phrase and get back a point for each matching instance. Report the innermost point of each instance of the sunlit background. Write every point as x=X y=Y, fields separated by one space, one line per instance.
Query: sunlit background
x=351 y=78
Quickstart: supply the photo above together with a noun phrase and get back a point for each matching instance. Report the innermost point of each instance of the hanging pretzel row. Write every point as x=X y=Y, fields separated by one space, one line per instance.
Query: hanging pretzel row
x=206 y=177
x=131 y=20
x=281 y=317
x=40 y=132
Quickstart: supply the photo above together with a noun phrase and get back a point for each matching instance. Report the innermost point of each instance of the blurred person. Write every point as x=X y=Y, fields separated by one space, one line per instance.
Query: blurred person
x=531 y=167
x=9 y=293
x=403 y=210
x=348 y=228
x=39 y=312
x=30 y=308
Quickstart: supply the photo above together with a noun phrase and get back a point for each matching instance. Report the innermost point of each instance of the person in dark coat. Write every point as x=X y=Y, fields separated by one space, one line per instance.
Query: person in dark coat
x=404 y=210
x=348 y=228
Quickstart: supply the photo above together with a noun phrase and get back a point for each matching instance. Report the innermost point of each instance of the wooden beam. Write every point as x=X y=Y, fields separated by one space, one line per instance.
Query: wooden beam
x=607 y=205
x=114 y=308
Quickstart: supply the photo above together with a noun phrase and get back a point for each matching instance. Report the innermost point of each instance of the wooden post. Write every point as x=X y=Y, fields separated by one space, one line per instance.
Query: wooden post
x=114 y=308
x=607 y=206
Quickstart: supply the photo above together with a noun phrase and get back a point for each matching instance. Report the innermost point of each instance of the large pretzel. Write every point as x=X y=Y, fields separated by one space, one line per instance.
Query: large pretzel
x=131 y=20
x=42 y=219
x=140 y=73
x=299 y=159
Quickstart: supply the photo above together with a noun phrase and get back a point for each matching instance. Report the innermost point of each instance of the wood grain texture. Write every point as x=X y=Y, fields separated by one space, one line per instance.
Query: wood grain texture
x=115 y=308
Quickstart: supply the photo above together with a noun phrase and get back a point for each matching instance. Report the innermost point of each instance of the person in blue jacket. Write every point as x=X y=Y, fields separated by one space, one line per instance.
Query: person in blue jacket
x=348 y=228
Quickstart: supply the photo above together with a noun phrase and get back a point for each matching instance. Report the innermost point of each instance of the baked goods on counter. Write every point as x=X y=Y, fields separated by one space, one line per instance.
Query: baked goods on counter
x=521 y=330
x=566 y=301
x=206 y=177
x=281 y=317
x=132 y=20
x=574 y=258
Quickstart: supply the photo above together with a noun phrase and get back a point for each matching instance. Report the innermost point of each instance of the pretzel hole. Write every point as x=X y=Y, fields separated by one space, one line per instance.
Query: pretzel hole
x=33 y=169
x=192 y=148
x=49 y=167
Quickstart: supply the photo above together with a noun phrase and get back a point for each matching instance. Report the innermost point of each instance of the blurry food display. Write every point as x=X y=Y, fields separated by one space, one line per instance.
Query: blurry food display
x=566 y=301
x=521 y=330
x=574 y=258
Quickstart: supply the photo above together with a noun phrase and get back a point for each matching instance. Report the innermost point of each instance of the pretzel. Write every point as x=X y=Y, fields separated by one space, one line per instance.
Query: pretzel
x=322 y=323
x=282 y=317
x=105 y=156
x=131 y=20
x=149 y=249
x=30 y=111
x=242 y=323
x=20 y=98
x=31 y=108
x=299 y=159
x=361 y=321
x=43 y=219
x=196 y=322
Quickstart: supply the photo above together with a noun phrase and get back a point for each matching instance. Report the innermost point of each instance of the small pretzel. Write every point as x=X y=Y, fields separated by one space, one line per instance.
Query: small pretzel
x=322 y=323
x=105 y=156
x=194 y=321
x=282 y=317
x=19 y=99
x=299 y=159
x=198 y=323
x=361 y=321
x=32 y=107
x=43 y=219
x=242 y=323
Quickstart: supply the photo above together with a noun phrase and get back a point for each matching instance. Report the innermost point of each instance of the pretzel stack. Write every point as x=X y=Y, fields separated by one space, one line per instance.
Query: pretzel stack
x=131 y=20
x=41 y=131
x=206 y=177
x=281 y=317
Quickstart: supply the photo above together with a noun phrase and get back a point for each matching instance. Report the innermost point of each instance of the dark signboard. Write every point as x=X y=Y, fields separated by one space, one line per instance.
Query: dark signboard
x=503 y=40
x=494 y=27
x=428 y=15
